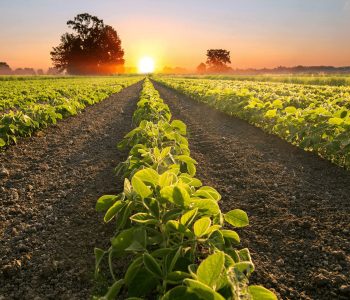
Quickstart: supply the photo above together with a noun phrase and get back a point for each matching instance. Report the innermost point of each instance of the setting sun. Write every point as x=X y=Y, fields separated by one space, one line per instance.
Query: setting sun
x=146 y=65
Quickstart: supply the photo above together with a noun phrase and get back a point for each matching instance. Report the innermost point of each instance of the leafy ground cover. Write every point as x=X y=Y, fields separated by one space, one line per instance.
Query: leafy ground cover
x=27 y=104
x=315 y=118
x=332 y=80
x=168 y=222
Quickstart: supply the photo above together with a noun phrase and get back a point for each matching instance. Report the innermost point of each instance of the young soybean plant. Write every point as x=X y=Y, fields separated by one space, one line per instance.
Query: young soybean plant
x=173 y=226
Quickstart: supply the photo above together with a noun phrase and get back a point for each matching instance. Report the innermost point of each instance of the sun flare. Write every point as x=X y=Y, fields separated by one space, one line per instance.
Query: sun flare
x=146 y=65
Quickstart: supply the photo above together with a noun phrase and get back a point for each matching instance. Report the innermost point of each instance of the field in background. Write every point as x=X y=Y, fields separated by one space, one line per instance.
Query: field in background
x=333 y=80
x=316 y=118
x=28 y=103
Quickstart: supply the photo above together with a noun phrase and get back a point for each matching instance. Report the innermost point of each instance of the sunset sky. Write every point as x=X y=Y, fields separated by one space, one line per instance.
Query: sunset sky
x=259 y=33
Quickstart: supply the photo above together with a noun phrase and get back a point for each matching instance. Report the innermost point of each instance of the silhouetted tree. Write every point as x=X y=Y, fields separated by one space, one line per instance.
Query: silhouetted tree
x=202 y=68
x=5 y=69
x=40 y=72
x=217 y=60
x=93 y=48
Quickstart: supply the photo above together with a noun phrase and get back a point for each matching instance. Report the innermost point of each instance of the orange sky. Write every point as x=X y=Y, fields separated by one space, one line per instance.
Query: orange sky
x=258 y=33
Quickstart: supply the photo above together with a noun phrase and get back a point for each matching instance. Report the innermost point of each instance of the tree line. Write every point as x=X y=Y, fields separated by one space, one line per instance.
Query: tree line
x=5 y=69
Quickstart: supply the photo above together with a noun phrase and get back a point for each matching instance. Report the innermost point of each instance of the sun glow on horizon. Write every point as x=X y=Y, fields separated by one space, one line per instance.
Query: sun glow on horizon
x=146 y=65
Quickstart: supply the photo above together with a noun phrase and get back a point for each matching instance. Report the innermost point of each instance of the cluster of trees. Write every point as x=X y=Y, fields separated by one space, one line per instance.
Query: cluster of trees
x=5 y=69
x=92 y=48
x=217 y=62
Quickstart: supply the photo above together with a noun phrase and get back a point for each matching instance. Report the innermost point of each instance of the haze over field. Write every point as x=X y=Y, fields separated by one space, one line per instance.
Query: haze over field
x=177 y=33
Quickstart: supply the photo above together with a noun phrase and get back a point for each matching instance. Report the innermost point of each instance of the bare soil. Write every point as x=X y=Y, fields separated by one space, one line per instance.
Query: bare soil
x=298 y=203
x=49 y=185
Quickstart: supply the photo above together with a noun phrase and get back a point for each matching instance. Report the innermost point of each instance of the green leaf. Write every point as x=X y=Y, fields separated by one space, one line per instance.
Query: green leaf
x=123 y=240
x=139 y=240
x=258 y=292
x=152 y=265
x=290 y=110
x=181 y=126
x=191 y=181
x=153 y=206
x=210 y=269
x=335 y=121
x=142 y=284
x=132 y=270
x=191 y=169
x=140 y=188
x=205 y=206
x=212 y=229
x=244 y=255
x=190 y=163
x=172 y=214
x=2 y=142
x=202 y=290
x=244 y=267
x=113 y=210
x=177 y=277
x=185 y=159
x=231 y=235
x=217 y=239
x=161 y=252
x=167 y=178
x=271 y=113
x=181 y=293
x=237 y=218
x=105 y=202
x=201 y=226
x=174 y=259
x=114 y=290
x=180 y=196
x=149 y=176
x=277 y=104
x=208 y=192
x=143 y=218
x=167 y=193
x=175 y=226
x=165 y=152
x=188 y=217
x=127 y=187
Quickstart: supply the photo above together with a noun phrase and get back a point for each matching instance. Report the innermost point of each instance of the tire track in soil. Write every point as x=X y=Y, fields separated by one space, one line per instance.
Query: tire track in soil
x=48 y=223
x=298 y=204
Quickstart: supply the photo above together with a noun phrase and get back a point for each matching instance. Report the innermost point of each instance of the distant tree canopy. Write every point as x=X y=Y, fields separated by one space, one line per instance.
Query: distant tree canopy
x=217 y=60
x=201 y=68
x=93 y=48
x=24 y=71
x=5 y=68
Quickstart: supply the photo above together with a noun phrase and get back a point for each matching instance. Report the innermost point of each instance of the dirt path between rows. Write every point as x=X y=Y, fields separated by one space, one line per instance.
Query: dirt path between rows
x=48 y=224
x=298 y=203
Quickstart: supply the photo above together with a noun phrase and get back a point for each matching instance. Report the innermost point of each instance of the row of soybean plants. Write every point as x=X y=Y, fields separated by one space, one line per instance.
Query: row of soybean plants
x=31 y=104
x=315 y=118
x=168 y=225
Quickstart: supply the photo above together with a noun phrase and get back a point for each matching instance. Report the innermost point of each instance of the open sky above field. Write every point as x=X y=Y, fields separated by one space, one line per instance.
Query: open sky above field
x=259 y=33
